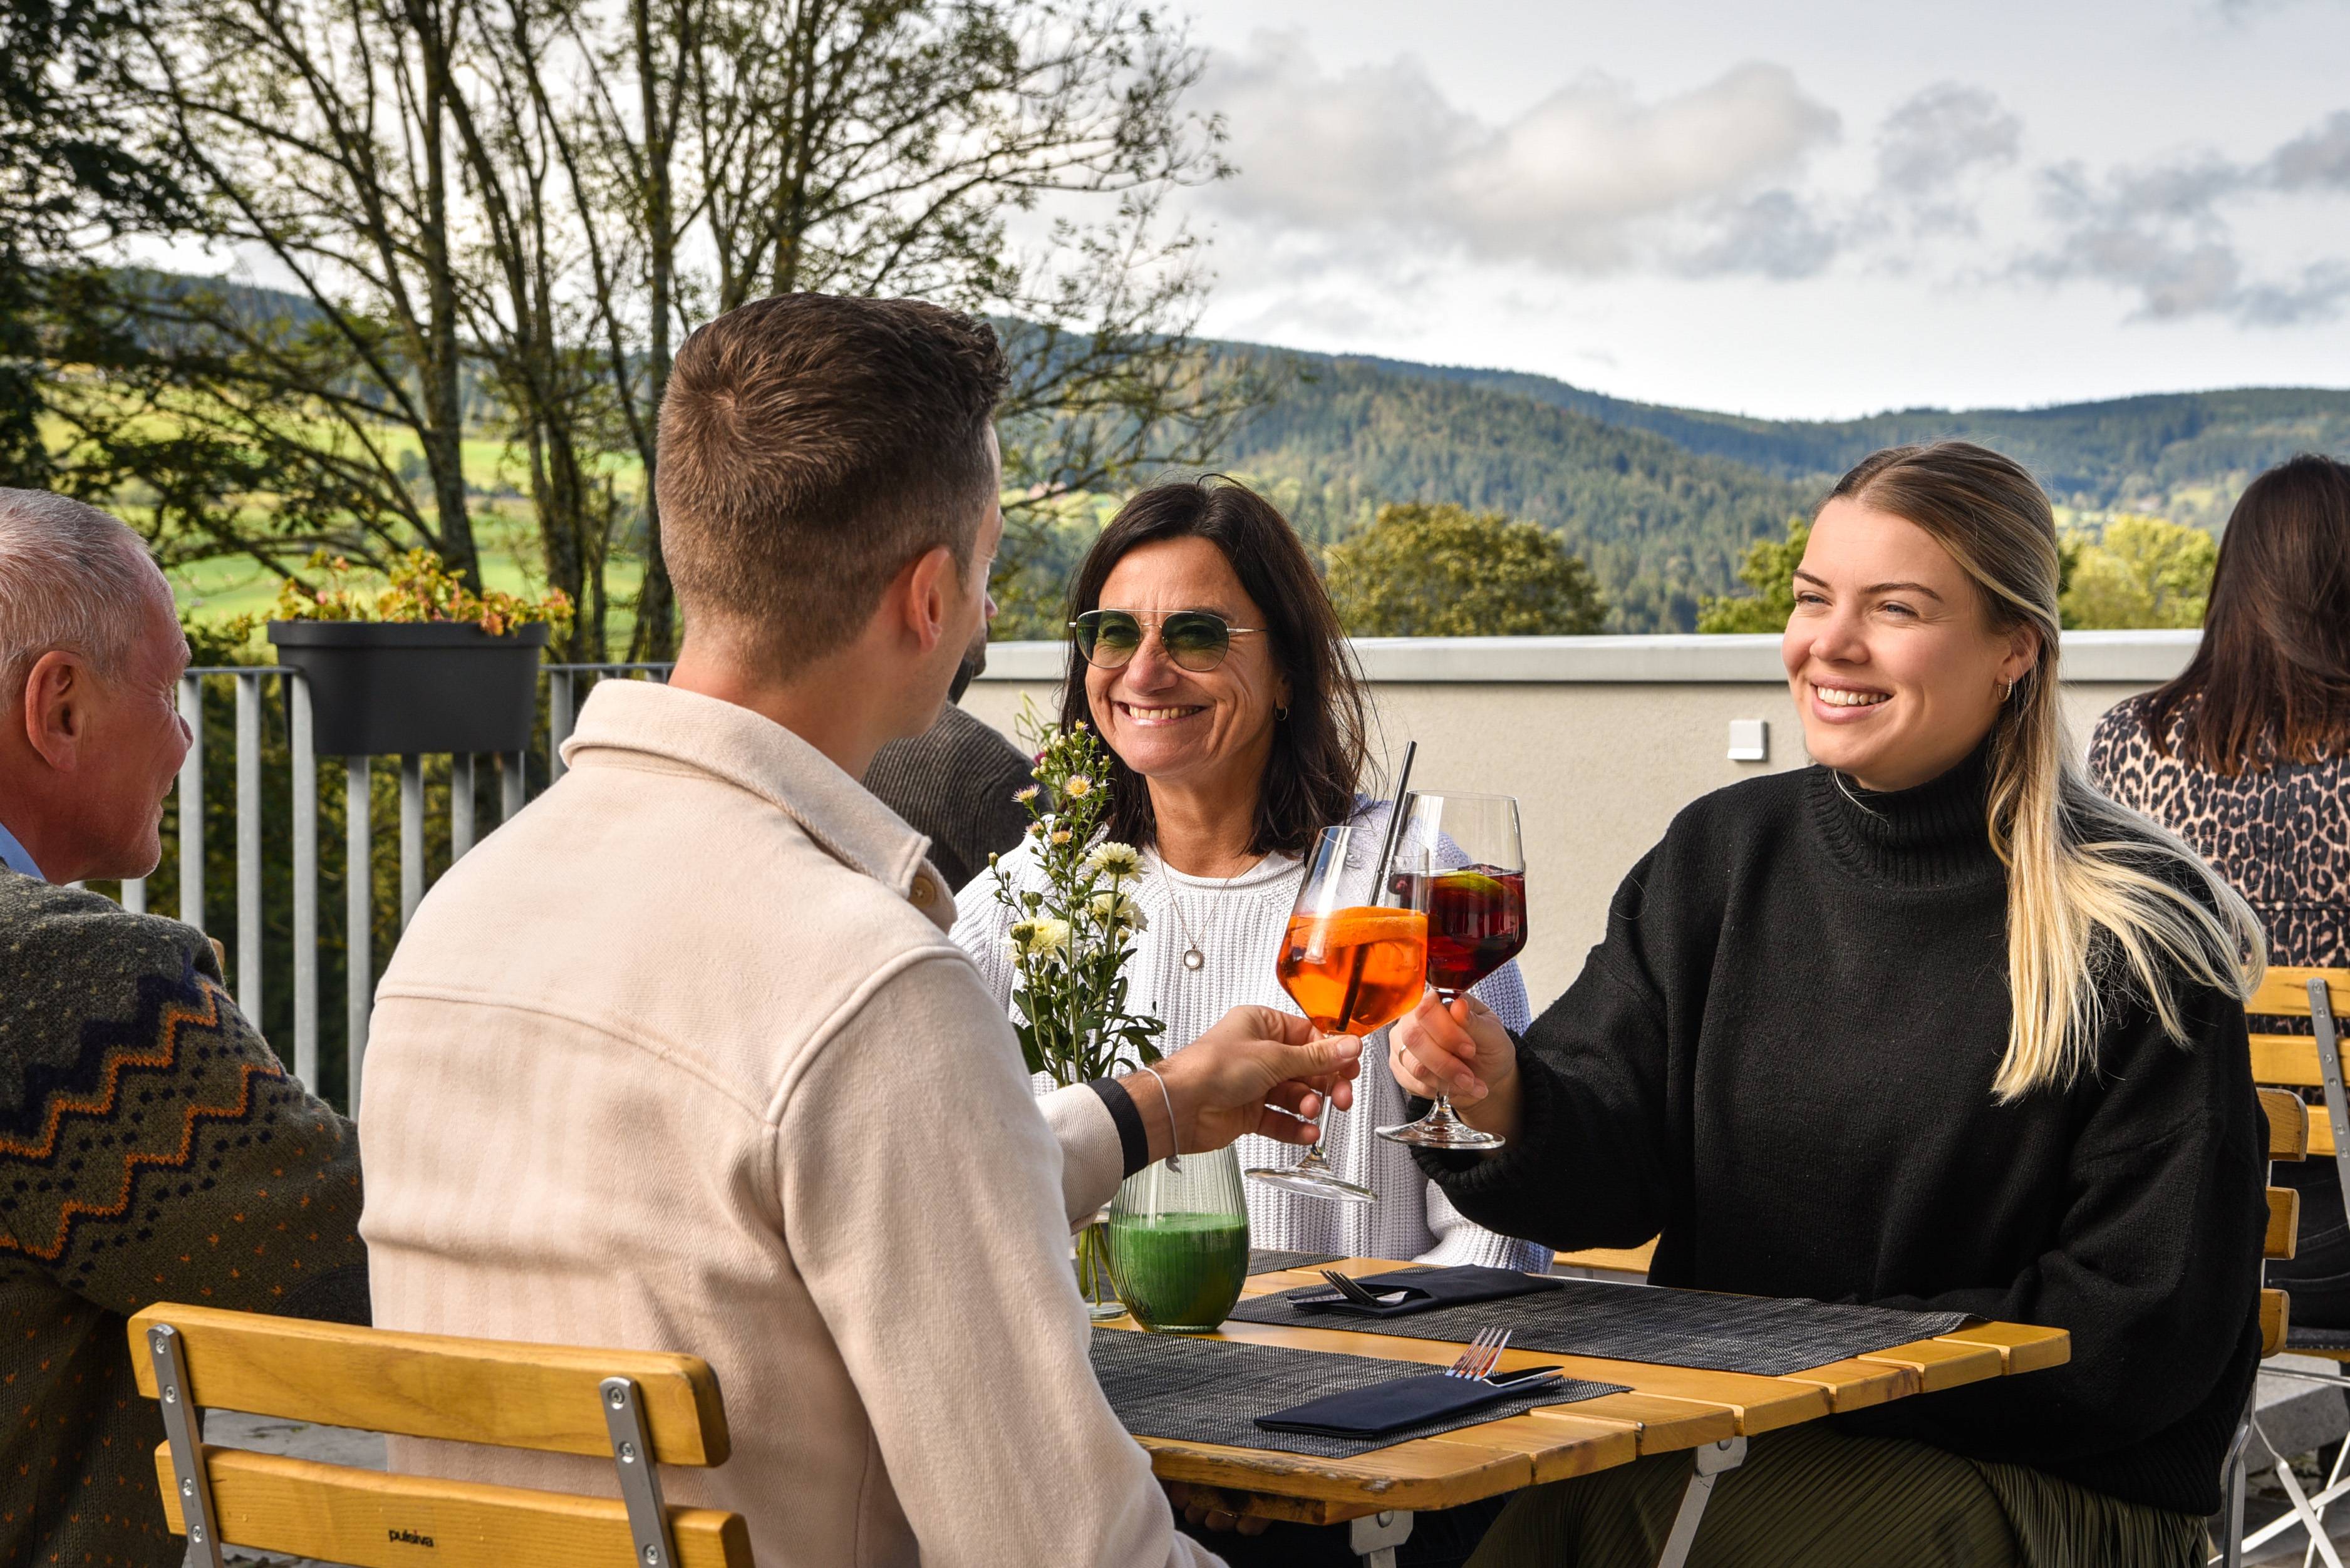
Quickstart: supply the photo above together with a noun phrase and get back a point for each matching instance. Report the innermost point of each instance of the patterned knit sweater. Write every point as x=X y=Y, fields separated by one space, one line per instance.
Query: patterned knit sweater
x=151 y=1148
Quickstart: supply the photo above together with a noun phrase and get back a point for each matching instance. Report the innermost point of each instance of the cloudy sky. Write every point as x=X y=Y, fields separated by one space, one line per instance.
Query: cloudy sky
x=1808 y=207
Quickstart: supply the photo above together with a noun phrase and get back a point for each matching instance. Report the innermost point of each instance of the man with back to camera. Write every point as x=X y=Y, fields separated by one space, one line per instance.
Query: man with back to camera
x=683 y=1058
x=152 y=1147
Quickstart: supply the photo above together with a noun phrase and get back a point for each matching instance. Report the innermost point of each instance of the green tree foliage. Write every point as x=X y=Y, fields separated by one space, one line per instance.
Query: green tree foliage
x=2142 y=572
x=494 y=221
x=1444 y=571
x=76 y=172
x=1770 y=571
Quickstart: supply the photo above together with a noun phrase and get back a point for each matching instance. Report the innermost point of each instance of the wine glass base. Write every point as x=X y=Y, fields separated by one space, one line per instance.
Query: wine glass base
x=1105 y=1312
x=1451 y=1133
x=1313 y=1184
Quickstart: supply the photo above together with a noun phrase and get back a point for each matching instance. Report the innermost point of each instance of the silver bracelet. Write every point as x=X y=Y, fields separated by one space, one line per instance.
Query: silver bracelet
x=1174 y=1159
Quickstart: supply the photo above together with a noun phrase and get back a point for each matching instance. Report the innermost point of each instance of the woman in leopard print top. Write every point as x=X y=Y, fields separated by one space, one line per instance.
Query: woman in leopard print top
x=2247 y=757
x=2280 y=836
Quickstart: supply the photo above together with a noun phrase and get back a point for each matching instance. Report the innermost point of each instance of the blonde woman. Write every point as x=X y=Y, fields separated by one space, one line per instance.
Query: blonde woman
x=1931 y=1024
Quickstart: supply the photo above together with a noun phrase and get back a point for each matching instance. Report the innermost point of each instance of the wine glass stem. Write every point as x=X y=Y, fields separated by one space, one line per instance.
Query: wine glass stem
x=1442 y=1110
x=1315 y=1159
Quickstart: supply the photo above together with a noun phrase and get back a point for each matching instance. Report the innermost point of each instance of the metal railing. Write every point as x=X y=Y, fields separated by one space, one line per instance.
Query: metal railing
x=246 y=963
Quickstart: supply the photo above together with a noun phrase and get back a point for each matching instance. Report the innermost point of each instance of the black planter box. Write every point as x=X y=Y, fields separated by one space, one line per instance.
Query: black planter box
x=378 y=689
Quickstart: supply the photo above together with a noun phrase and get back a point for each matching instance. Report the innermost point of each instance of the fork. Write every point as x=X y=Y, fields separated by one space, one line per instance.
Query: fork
x=1357 y=1294
x=1484 y=1353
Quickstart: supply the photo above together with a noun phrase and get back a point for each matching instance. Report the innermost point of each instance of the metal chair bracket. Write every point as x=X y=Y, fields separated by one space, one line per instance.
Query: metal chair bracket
x=1375 y=1537
x=176 y=1396
x=1713 y=1460
x=2329 y=1063
x=633 y=1458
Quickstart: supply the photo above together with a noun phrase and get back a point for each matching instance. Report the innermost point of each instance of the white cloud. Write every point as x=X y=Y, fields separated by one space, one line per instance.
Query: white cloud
x=1930 y=150
x=2167 y=234
x=1592 y=179
x=1775 y=235
x=1381 y=204
x=2316 y=159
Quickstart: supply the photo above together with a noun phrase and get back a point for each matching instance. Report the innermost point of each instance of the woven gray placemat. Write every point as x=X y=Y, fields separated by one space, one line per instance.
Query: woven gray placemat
x=1212 y=1390
x=1767 y=1335
x=1272 y=1259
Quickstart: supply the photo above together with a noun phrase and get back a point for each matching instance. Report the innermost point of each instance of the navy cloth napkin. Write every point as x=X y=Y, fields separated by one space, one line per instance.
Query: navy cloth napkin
x=1385 y=1408
x=1425 y=1290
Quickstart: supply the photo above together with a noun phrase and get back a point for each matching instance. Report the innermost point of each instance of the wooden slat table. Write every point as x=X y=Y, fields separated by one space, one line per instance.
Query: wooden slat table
x=1668 y=1409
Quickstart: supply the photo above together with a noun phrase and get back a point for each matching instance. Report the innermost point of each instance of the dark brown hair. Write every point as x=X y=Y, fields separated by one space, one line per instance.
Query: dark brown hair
x=810 y=446
x=2272 y=680
x=1318 y=749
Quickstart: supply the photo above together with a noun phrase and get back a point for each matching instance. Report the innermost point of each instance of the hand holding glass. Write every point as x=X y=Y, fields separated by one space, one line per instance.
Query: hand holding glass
x=1476 y=919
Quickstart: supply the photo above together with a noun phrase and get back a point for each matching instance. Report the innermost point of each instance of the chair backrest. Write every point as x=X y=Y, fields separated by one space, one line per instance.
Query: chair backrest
x=2295 y=1063
x=2288 y=1121
x=2298 y=1061
x=619 y=1405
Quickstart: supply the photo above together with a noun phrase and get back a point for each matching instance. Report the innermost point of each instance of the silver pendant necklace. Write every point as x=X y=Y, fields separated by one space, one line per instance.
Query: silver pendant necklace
x=1194 y=960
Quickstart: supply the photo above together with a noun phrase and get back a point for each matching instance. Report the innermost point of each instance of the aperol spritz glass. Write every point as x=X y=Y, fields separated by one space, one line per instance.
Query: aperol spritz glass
x=1351 y=966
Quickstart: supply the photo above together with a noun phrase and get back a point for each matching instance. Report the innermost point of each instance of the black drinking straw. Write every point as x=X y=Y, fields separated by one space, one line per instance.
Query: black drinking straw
x=1380 y=879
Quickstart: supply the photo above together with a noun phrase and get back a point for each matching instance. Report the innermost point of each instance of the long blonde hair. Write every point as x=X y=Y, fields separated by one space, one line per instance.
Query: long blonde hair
x=2088 y=881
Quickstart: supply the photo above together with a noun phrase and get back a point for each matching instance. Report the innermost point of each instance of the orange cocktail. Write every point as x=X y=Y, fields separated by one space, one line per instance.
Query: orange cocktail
x=1353 y=970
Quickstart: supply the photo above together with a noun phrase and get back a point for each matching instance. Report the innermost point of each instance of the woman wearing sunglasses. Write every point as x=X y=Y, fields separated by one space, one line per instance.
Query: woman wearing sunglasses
x=1205 y=654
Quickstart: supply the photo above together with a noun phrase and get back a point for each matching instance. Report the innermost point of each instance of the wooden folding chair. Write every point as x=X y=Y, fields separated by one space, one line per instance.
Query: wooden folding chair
x=630 y=1407
x=2288 y=1123
x=2293 y=1063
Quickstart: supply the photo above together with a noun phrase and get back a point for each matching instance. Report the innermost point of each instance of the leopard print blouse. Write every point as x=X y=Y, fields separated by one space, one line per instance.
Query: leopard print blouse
x=2281 y=837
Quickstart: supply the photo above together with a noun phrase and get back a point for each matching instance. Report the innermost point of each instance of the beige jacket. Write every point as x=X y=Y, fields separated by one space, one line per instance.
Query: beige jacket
x=682 y=1058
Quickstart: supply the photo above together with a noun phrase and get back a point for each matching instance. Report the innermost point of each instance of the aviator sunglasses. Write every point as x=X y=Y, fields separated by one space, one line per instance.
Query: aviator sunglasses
x=1195 y=639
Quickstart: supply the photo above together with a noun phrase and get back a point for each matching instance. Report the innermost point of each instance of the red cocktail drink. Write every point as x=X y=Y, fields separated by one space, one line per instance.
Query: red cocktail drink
x=1476 y=923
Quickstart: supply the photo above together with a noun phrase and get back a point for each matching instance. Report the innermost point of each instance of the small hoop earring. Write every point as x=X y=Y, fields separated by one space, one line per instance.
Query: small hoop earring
x=1281 y=715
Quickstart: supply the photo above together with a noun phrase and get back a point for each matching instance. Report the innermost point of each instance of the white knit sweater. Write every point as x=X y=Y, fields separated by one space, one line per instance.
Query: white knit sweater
x=1239 y=927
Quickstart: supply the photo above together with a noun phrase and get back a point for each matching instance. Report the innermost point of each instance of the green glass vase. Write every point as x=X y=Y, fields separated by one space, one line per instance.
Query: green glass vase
x=1179 y=1242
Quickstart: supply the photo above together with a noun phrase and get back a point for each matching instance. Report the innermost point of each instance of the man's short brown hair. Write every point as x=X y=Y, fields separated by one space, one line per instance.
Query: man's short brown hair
x=811 y=445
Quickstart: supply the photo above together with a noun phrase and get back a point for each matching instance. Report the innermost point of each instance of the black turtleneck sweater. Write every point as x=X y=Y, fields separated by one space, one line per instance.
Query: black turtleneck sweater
x=1780 y=1060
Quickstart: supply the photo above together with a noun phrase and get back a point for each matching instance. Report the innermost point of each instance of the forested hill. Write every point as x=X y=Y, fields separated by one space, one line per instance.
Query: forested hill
x=1660 y=523
x=2164 y=451
x=1663 y=501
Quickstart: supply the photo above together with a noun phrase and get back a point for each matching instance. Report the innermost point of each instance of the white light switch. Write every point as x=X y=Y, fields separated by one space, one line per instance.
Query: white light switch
x=1750 y=740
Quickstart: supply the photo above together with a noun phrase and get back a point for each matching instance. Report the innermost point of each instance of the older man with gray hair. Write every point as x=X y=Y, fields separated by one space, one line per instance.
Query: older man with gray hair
x=151 y=1147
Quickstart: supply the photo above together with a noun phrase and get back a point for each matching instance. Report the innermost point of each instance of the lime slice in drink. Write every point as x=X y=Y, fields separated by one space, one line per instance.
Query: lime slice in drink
x=1474 y=883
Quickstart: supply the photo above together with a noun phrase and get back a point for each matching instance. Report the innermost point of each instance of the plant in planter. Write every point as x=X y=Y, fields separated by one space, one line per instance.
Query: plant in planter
x=417 y=661
x=1070 y=941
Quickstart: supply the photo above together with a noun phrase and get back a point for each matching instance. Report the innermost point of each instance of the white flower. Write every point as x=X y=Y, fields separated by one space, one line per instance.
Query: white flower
x=1117 y=860
x=1037 y=938
x=1078 y=787
x=1117 y=909
x=1025 y=795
